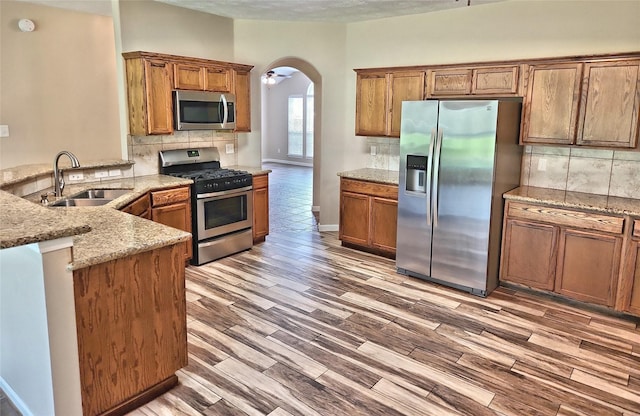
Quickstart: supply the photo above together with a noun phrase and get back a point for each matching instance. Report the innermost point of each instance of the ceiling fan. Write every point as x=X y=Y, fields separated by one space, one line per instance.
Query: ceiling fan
x=270 y=77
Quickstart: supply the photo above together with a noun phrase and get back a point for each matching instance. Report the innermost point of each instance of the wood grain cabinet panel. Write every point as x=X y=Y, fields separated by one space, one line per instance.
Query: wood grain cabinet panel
x=551 y=103
x=610 y=104
x=260 y=207
x=354 y=218
x=450 y=82
x=217 y=79
x=141 y=207
x=588 y=265
x=384 y=223
x=403 y=86
x=495 y=80
x=188 y=77
x=632 y=273
x=241 y=89
x=529 y=254
x=131 y=327
x=172 y=207
x=371 y=104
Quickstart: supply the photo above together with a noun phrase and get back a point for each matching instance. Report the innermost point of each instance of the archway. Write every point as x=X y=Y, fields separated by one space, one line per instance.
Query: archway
x=312 y=73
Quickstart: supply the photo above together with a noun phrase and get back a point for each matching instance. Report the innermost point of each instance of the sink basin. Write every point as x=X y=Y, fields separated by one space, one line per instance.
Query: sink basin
x=85 y=202
x=100 y=194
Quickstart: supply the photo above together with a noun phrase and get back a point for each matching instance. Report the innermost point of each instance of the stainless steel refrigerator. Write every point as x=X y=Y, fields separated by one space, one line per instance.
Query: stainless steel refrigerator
x=457 y=158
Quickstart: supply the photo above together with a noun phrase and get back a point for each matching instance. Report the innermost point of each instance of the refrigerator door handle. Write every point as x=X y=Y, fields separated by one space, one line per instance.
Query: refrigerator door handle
x=429 y=163
x=436 y=170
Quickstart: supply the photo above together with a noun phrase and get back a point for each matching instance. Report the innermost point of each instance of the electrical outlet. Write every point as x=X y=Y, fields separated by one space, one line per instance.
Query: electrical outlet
x=374 y=151
x=542 y=164
x=229 y=148
x=101 y=174
x=4 y=130
x=76 y=176
x=115 y=172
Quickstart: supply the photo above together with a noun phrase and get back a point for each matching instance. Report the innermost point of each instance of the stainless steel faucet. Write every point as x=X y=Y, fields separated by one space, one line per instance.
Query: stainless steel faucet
x=58 y=178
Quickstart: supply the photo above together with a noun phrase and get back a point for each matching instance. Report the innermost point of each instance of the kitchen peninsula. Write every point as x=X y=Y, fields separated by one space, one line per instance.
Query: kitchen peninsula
x=102 y=295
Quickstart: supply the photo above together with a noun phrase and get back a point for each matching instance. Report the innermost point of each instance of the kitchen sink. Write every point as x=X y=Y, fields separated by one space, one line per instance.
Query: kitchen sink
x=100 y=194
x=83 y=202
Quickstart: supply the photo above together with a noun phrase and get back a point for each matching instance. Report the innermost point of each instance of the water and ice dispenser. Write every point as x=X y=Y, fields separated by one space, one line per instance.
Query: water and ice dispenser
x=416 y=173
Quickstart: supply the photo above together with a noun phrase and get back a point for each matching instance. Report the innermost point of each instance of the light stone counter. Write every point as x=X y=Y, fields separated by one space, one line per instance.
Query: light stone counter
x=251 y=169
x=567 y=199
x=389 y=177
x=99 y=233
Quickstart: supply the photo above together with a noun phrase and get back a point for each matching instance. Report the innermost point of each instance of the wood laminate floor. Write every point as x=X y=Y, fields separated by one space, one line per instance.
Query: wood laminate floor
x=302 y=326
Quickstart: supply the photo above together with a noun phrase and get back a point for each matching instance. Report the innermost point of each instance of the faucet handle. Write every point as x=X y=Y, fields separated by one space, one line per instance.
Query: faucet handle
x=44 y=198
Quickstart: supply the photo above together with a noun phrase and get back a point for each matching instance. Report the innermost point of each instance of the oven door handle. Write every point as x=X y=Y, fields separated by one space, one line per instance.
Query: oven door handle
x=223 y=193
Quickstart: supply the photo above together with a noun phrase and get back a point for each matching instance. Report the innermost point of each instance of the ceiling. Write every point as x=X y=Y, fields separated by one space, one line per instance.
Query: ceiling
x=336 y=11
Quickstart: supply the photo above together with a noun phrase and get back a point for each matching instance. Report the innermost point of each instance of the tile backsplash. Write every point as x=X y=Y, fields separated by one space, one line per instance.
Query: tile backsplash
x=143 y=150
x=594 y=171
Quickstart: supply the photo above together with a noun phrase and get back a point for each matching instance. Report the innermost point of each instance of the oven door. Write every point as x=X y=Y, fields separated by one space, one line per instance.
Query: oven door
x=220 y=213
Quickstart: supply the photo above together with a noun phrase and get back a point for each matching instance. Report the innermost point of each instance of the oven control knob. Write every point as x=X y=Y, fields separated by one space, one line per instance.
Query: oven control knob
x=216 y=186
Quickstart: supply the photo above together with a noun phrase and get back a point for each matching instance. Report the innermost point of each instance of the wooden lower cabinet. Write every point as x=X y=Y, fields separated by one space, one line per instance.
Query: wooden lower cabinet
x=369 y=215
x=573 y=253
x=131 y=326
x=260 y=207
x=172 y=207
x=141 y=207
x=628 y=298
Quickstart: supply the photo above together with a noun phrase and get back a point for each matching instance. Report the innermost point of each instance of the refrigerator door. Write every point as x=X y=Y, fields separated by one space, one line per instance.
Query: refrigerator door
x=417 y=139
x=465 y=155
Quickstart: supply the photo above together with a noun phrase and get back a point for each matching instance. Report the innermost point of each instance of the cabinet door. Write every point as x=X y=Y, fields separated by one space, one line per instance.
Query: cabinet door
x=371 y=105
x=158 y=96
x=176 y=216
x=529 y=254
x=551 y=103
x=140 y=207
x=495 y=80
x=450 y=82
x=260 y=207
x=611 y=103
x=588 y=265
x=404 y=86
x=242 y=86
x=188 y=77
x=217 y=79
x=354 y=218
x=632 y=272
x=384 y=223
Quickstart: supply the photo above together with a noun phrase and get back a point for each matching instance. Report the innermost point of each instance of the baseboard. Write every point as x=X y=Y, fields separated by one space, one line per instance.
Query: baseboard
x=288 y=162
x=328 y=227
x=15 y=399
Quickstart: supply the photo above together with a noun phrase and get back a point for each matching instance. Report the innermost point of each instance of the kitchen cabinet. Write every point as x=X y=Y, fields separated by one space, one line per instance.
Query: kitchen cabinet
x=629 y=288
x=242 y=91
x=588 y=104
x=151 y=77
x=172 y=207
x=379 y=97
x=502 y=80
x=610 y=105
x=141 y=207
x=131 y=329
x=260 y=207
x=149 y=96
x=570 y=252
x=368 y=215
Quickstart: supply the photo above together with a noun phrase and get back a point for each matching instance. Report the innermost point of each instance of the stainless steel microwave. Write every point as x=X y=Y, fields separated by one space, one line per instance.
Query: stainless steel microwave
x=204 y=110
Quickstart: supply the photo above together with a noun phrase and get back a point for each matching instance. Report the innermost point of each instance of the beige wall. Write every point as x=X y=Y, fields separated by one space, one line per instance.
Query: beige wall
x=58 y=85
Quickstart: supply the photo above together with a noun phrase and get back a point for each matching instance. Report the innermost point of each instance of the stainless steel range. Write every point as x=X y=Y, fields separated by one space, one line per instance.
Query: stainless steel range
x=221 y=202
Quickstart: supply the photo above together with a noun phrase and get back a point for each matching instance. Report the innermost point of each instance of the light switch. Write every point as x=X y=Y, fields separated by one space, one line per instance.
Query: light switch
x=542 y=164
x=4 y=130
x=374 y=151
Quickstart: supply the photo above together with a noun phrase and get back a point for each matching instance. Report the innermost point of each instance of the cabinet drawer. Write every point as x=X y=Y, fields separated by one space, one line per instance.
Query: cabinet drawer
x=564 y=217
x=169 y=196
x=261 y=181
x=636 y=228
x=369 y=188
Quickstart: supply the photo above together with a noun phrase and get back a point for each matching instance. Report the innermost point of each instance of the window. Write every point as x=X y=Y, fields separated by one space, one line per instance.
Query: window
x=300 y=124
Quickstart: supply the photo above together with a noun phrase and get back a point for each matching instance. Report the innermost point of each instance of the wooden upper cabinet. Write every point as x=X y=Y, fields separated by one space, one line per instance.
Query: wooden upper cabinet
x=371 y=104
x=495 y=80
x=610 y=104
x=217 y=79
x=188 y=77
x=449 y=82
x=403 y=86
x=158 y=88
x=242 y=90
x=551 y=103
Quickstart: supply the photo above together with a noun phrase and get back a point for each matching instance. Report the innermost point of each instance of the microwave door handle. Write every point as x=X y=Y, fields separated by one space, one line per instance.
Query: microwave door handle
x=225 y=110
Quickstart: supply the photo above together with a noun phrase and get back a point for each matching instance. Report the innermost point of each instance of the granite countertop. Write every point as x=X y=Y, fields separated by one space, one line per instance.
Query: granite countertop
x=567 y=199
x=99 y=233
x=254 y=170
x=389 y=177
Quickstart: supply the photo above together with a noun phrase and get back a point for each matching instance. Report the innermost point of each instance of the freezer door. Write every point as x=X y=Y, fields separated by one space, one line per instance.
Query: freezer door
x=417 y=133
x=462 y=193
